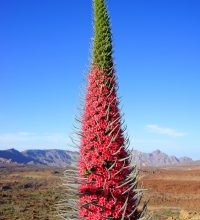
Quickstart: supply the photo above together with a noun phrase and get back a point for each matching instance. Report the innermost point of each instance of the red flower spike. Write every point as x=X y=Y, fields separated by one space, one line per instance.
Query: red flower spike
x=107 y=183
x=104 y=161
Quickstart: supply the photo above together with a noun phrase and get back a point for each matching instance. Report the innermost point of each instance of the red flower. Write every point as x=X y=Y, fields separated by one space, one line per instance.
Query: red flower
x=103 y=159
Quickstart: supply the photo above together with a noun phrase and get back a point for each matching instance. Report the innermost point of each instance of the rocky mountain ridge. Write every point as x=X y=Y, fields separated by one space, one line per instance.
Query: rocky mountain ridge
x=63 y=158
x=157 y=159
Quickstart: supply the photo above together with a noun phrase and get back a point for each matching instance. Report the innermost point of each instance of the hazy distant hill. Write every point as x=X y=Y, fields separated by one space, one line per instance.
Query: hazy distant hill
x=158 y=158
x=62 y=158
x=16 y=156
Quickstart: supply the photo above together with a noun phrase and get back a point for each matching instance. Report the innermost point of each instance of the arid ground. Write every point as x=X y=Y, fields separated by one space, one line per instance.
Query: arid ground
x=28 y=193
x=173 y=192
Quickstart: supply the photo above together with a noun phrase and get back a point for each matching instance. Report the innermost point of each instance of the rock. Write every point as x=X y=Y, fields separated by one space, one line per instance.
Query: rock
x=28 y=185
x=184 y=215
x=195 y=216
x=6 y=188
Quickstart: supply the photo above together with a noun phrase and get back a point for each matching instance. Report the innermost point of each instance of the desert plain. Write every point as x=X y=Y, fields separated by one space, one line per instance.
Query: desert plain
x=31 y=193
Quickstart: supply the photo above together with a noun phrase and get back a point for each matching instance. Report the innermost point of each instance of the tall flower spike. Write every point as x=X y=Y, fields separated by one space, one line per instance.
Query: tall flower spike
x=108 y=189
x=105 y=185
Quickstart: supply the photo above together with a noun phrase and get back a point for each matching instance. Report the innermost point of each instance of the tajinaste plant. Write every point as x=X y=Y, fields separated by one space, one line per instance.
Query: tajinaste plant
x=106 y=182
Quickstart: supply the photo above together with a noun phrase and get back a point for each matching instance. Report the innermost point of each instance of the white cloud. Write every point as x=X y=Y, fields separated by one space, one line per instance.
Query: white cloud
x=165 y=131
x=25 y=140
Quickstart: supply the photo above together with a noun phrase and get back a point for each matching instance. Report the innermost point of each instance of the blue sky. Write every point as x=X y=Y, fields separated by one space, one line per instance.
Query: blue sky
x=45 y=52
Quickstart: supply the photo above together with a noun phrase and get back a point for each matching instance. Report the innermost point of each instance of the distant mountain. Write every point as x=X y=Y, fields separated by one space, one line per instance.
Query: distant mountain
x=62 y=158
x=16 y=156
x=58 y=158
x=157 y=158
